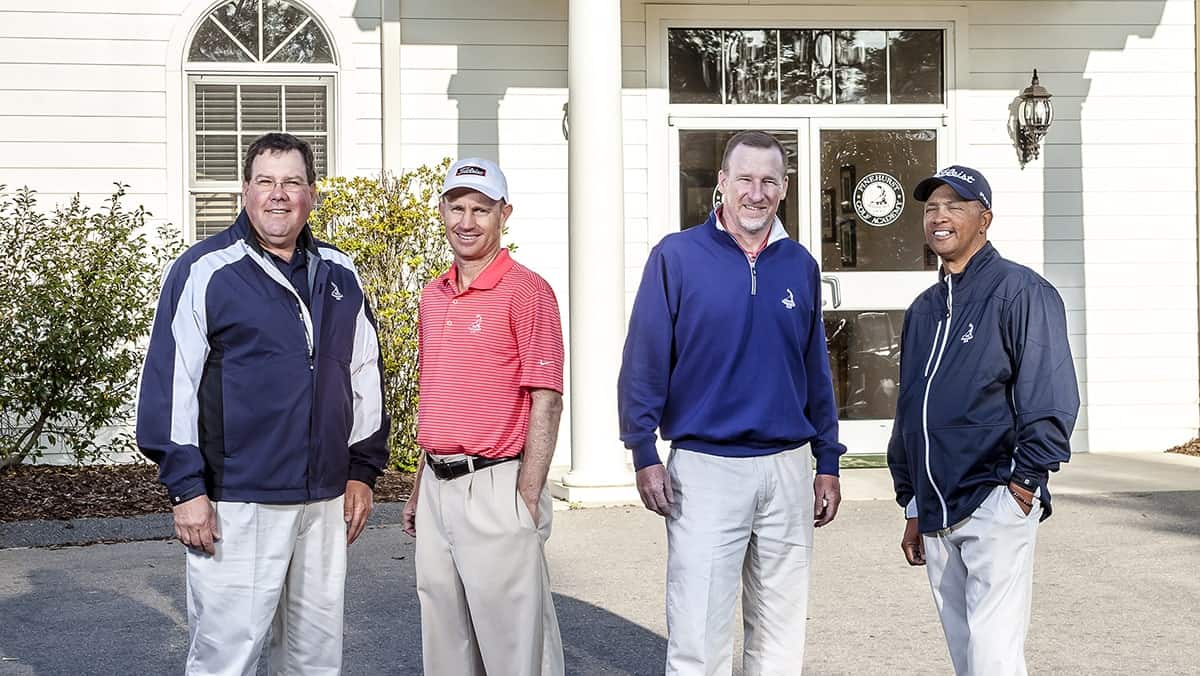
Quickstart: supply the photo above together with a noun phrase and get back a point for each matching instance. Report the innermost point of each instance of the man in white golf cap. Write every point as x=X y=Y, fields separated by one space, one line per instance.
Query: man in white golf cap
x=491 y=359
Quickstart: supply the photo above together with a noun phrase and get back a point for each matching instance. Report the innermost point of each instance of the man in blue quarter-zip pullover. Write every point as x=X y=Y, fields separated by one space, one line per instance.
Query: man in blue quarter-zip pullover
x=726 y=356
x=988 y=399
x=261 y=401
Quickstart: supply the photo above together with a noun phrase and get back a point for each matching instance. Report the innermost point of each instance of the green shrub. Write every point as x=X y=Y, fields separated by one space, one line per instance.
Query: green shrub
x=390 y=227
x=77 y=292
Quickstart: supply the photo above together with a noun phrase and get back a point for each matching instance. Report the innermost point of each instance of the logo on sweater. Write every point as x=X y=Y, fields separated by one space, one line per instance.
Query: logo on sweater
x=477 y=325
x=336 y=293
x=966 y=337
x=790 y=301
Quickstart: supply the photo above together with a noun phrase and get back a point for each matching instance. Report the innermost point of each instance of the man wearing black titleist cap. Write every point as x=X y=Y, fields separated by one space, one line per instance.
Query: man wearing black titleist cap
x=988 y=400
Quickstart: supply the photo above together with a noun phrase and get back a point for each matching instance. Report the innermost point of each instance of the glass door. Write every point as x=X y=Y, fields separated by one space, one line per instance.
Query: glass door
x=697 y=146
x=849 y=202
x=867 y=233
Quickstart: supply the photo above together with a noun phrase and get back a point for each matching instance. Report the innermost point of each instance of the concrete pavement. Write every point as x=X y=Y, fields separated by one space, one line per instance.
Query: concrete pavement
x=1117 y=589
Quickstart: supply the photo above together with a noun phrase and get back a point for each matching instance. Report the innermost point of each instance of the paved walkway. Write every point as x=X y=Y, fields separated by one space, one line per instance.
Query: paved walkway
x=1117 y=589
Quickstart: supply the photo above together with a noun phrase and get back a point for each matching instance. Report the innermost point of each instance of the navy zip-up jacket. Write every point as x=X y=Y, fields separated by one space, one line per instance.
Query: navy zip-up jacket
x=725 y=356
x=247 y=394
x=987 y=390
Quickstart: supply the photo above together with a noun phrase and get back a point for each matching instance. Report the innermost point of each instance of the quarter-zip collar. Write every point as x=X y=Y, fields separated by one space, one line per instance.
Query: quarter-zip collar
x=777 y=232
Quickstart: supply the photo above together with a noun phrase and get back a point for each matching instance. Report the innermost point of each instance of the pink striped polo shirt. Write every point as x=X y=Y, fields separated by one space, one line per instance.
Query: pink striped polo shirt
x=481 y=352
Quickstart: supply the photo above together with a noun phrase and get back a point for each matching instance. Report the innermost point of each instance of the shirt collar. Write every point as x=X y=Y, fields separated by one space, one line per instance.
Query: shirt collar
x=777 y=231
x=487 y=279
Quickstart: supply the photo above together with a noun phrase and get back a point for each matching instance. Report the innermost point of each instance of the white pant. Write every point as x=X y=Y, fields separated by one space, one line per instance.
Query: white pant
x=981 y=574
x=281 y=567
x=738 y=518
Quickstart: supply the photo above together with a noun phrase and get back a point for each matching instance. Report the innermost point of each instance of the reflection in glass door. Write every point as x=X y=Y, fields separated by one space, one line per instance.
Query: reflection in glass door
x=873 y=257
x=700 y=153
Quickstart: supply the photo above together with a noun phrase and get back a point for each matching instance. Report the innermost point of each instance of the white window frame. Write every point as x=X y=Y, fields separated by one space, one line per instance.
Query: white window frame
x=243 y=77
x=308 y=74
x=663 y=210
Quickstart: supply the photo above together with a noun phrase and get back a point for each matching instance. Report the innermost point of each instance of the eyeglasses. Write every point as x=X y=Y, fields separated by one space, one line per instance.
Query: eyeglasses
x=290 y=185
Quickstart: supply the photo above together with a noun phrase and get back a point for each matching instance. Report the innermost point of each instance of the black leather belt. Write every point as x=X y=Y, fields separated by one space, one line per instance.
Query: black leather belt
x=456 y=468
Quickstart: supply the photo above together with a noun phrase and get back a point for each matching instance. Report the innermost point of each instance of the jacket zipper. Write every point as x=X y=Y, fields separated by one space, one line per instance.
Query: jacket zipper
x=305 y=318
x=928 y=385
x=753 y=279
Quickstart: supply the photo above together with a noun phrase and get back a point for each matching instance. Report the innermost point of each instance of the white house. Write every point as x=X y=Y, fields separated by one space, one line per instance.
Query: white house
x=165 y=95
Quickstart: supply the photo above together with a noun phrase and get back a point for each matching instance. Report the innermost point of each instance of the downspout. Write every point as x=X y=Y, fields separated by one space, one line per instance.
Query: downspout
x=1196 y=101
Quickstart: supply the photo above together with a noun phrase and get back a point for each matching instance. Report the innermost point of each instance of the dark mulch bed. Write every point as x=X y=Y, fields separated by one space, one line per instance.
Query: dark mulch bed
x=1190 y=448
x=72 y=492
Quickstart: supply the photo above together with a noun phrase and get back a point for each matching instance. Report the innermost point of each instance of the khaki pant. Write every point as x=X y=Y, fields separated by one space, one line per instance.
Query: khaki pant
x=482 y=577
x=281 y=567
x=747 y=521
x=981 y=574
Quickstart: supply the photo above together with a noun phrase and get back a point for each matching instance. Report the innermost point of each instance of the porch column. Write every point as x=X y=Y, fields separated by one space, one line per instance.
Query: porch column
x=596 y=254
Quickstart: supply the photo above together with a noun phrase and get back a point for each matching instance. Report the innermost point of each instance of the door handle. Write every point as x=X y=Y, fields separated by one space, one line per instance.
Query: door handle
x=835 y=288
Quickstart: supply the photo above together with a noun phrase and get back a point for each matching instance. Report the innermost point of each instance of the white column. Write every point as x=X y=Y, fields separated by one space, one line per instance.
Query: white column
x=597 y=257
x=390 y=41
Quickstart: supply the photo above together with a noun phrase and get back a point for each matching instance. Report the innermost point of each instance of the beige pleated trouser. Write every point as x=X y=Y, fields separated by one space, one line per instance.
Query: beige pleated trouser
x=981 y=574
x=482 y=578
x=747 y=521
x=277 y=567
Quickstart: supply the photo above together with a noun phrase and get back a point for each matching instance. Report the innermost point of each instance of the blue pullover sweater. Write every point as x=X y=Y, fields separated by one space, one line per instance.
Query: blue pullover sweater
x=726 y=356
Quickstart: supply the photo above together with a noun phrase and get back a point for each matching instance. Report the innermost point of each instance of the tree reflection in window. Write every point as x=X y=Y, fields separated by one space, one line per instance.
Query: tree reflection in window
x=288 y=34
x=805 y=66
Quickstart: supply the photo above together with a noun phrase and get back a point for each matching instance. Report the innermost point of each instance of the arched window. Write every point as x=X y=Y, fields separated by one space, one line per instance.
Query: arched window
x=253 y=66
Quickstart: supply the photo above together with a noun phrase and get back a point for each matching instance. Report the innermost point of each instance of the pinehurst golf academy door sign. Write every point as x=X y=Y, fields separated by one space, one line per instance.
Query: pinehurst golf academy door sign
x=879 y=199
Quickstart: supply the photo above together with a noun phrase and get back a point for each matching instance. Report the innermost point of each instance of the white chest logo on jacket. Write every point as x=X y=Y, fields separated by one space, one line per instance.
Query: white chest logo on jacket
x=966 y=337
x=790 y=301
x=336 y=293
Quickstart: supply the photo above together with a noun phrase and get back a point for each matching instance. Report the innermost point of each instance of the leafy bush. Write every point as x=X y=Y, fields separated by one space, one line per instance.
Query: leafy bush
x=390 y=227
x=77 y=291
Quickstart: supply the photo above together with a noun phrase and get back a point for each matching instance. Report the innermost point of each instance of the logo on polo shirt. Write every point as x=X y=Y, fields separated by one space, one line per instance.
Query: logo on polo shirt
x=471 y=170
x=477 y=325
x=790 y=301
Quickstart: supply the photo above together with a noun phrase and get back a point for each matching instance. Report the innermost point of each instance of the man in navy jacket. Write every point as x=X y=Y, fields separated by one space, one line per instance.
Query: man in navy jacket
x=261 y=401
x=988 y=399
x=726 y=356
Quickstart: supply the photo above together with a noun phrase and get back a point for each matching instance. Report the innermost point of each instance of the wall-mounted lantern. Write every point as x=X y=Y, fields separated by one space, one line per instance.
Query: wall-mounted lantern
x=1034 y=115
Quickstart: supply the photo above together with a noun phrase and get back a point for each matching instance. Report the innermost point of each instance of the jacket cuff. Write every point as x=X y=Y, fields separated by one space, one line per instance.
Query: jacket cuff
x=1031 y=479
x=187 y=491
x=646 y=455
x=910 y=510
x=827 y=461
x=364 y=473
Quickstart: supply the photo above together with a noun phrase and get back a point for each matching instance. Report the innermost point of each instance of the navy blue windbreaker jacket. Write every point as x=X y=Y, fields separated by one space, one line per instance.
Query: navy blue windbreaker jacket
x=248 y=395
x=987 y=390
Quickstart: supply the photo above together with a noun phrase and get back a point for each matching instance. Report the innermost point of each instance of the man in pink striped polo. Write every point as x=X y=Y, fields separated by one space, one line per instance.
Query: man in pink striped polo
x=491 y=361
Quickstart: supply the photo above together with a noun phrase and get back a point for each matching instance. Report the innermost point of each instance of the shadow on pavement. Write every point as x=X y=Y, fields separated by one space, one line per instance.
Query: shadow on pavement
x=1176 y=512
x=61 y=627
x=595 y=641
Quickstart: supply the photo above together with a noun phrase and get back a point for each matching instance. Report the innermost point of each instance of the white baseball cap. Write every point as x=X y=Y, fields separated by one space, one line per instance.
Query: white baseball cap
x=477 y=174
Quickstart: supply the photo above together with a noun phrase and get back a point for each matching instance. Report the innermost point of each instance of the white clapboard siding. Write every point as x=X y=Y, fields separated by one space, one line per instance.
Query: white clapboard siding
x=1113 y=167
x=1138 y=105
x=69 y=155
